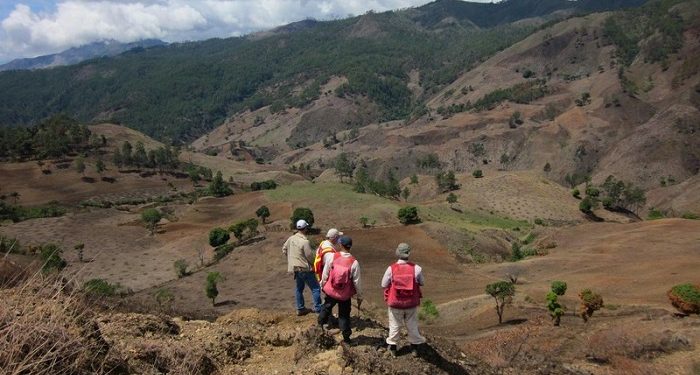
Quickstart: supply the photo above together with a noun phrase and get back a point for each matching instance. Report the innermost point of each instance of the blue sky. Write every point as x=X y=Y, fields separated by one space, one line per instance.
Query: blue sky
x=30 y=28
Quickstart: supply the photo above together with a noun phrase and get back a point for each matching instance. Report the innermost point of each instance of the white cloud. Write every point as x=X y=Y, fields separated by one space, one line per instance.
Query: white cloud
x=25 y=33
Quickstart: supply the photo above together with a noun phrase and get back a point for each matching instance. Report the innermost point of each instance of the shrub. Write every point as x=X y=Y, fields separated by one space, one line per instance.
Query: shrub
x=263 y=185
x=163 y=297
x=576 y=193
x=556 y=310
x=150 y=218
x=428 y=311
x=586 y=205
x=364 y=220
x=218 y=237
x=302 y=213
x=502 y=292
x=655 y=214
x=539 y=221
x=690 y=216
x=590 y=303
x=100 y=288
x=516 y=253
x=451 y=198
x=263 y=213
x=180 y=268
x=51 y=255
x=408 y=215
x=446 y=181
x=223 y=250
x=685 y=298
x=211 y=287
x=478 y=173
x=244 y=229
x=218 y=187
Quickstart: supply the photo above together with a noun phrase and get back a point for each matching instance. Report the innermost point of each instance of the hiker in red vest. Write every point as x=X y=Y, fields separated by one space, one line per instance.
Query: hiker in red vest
x=401 y=282
x=340 y=281
x=329 y=245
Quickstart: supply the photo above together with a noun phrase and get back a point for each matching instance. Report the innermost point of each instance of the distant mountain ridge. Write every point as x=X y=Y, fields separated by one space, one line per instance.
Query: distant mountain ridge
x=105 y=48
x=184 y=90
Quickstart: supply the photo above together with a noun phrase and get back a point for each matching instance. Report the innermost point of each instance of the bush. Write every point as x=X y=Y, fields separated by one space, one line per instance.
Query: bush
x=478 y=173
x=451 y=198
x=218 y=187
x=100 y=288
x=211 y=287
x=690 y=216
x=556 y=310
x=150 y=218
x=685 y=298
x=408 y=215
x=502 y=292
x=263 y=213
x=655 y=214
x=163 y=297
x=223 y=250
x=263 y=185
x=364 y=220
x=428 y=311
x=515 y=252
x=51 y=255
x=586 y=205
x=513 y=272
x=539 y=221
x=590 y=303
x=180 y=268
x=244 y=229
x=302 y=213
x=576 y=193
x=218 y=237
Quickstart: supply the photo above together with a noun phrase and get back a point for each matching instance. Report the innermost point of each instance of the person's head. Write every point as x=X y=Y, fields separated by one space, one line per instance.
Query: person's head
x=302 y=225
x=403 y=251
x=345 y=242
x=333 y=235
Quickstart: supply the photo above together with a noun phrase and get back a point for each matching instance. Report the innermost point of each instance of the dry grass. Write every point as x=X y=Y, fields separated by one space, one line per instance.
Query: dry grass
x=47 y=329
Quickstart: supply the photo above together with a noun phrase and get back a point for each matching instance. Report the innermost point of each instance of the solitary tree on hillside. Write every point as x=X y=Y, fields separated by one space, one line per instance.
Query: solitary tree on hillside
x=218 y=187
x=502 y=292
x=211 y=286
x=218 y=237
x=343 y=167
x=151 y=217
x=263 y=213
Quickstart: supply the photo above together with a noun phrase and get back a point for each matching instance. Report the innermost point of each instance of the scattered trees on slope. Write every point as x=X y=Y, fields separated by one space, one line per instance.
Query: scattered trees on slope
x=502 y=293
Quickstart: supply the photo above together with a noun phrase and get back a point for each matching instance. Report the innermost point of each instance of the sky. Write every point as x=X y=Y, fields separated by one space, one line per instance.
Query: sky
x=30 y=28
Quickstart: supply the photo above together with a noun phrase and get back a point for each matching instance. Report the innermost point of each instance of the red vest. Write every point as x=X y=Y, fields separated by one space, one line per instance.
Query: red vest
x=404 y=291
x=340 y=285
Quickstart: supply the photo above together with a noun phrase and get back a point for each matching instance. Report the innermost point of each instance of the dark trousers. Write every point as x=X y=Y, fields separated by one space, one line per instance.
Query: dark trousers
x=344 y=308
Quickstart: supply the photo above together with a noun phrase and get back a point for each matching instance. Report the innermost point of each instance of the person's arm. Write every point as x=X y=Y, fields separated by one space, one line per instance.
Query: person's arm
x=356 y=279
x=386 y=280
x=327 y=261
x=285 y=247
x=419 y=275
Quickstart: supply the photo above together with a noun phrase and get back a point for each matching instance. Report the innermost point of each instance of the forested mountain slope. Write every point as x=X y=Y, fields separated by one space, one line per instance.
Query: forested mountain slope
x=180 y=91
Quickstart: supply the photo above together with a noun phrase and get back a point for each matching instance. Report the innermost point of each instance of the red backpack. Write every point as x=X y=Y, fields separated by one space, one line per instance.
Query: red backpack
x=339 y=284
x=404 y=291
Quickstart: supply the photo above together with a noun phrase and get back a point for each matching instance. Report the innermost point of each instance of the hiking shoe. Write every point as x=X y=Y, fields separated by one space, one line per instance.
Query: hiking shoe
x=302 y=312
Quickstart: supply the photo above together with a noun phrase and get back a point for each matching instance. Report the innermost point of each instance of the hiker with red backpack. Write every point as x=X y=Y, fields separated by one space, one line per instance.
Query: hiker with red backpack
x=340 y=281
x=401 y=282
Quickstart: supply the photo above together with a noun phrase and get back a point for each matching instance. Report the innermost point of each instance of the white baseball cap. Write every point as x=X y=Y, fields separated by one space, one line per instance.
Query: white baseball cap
x=333 y=233
x=301 y=224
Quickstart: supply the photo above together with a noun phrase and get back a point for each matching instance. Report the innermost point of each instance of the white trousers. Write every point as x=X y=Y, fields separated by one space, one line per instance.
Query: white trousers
x=400 y=317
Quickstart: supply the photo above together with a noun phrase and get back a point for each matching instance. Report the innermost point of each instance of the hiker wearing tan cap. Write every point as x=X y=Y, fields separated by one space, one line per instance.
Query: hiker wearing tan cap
x=299 y=262
x=401 y=282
